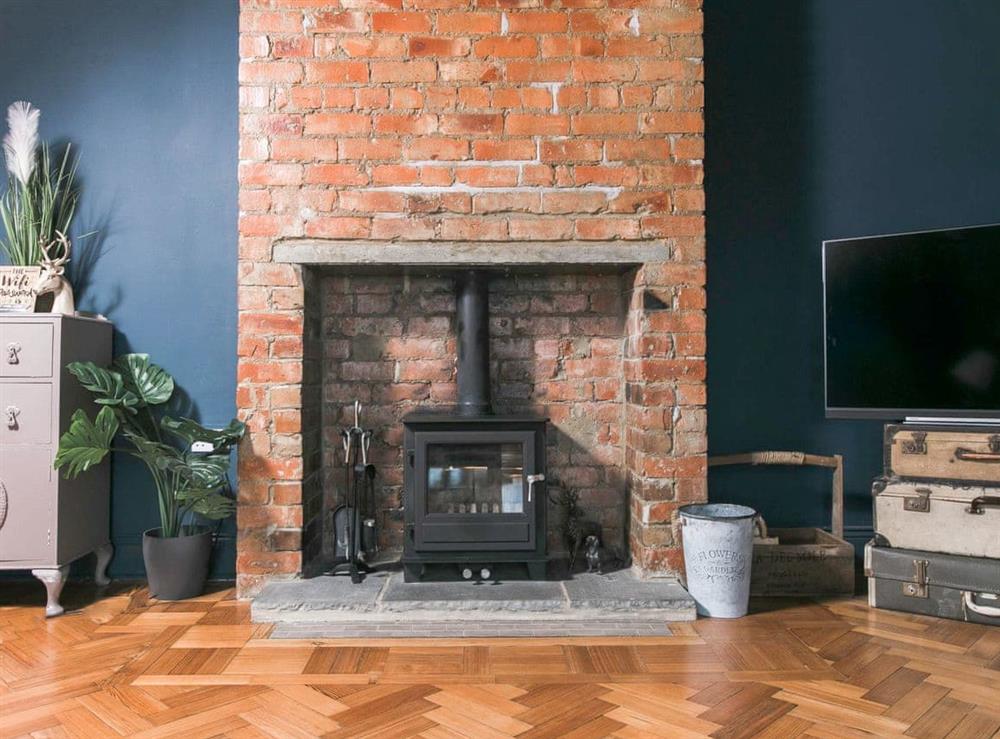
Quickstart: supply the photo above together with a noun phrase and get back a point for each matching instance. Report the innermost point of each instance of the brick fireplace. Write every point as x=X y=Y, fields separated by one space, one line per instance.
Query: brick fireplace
x=558 y=144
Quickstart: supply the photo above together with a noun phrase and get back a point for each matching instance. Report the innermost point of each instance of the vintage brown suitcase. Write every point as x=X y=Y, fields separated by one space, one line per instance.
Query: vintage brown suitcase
x=933 y=584
x=952 y=518
x=800 y=561
x=946 y=453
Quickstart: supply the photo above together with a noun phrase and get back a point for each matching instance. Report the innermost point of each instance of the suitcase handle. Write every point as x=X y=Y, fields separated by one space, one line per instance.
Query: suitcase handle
x=979 y=504
x=969 y=601
x=970 y=455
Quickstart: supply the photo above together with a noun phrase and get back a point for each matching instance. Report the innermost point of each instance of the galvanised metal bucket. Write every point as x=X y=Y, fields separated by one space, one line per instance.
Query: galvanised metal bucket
x=718 y=551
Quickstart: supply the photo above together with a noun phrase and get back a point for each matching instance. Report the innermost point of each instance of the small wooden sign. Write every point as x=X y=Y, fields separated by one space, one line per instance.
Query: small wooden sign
x=15 y=288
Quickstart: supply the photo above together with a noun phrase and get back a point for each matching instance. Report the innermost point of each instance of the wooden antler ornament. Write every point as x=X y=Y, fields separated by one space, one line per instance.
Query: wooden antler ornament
x=53 y=277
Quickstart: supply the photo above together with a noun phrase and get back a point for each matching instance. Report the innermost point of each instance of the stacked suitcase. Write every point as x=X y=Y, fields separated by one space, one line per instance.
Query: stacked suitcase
x=937 y=524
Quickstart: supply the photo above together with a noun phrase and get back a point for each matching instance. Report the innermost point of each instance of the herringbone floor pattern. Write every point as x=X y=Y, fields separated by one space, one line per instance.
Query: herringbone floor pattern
x=125 y=667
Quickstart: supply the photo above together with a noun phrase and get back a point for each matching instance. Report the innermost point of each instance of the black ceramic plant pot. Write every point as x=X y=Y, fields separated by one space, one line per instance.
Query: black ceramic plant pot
x=177 y=566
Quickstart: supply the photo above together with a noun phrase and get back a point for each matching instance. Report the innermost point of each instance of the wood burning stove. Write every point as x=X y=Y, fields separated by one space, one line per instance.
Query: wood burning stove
x=475 y=494
x=474 y=482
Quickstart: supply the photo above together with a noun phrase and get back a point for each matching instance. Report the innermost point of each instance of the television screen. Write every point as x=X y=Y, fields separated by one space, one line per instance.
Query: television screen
x=913 y=324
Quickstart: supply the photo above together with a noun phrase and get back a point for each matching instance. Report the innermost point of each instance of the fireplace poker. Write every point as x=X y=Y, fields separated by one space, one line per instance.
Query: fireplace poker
x=369 y=533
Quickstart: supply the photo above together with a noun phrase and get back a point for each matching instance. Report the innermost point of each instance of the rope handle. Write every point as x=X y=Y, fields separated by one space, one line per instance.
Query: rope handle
x=759 y=527
x=797 y=459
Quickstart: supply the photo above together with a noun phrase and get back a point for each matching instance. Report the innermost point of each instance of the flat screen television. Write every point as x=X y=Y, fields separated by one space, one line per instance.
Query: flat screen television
x=913 y=325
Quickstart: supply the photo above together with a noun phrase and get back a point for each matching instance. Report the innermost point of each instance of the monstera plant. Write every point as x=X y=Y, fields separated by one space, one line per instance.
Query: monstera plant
x=188 y=462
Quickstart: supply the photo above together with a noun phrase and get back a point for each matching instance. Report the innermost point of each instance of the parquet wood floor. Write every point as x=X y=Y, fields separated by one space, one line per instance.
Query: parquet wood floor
x=123 y=666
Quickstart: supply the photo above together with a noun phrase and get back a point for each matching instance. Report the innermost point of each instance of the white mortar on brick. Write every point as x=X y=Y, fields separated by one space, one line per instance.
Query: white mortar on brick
x=609 y=191
x=553 y=88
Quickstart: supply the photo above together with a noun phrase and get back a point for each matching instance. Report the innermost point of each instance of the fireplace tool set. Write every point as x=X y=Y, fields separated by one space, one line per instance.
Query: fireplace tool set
x=356 y=540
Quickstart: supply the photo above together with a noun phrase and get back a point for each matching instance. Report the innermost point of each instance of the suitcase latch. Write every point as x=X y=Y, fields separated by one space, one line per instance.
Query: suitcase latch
x=917 y=588
x=919 y=503
x=916 y=445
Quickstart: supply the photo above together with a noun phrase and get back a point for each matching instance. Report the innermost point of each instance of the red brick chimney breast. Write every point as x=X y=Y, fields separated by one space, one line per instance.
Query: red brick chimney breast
x=516 y=121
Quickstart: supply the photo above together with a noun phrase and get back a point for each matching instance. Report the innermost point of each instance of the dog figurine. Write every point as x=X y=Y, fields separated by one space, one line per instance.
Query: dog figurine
x=581 y=531
x=593 y=554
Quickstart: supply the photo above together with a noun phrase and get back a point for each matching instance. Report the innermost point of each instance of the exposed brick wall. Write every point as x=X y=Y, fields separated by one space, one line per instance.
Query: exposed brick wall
x=666 y=438
x=519 y=120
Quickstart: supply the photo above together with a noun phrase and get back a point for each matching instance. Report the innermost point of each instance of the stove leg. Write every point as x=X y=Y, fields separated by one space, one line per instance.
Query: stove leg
x=413 y=573
x=53 y=579
x=537 y=570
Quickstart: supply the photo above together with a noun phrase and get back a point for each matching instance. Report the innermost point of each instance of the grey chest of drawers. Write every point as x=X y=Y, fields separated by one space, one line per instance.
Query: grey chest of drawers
x=47 y=522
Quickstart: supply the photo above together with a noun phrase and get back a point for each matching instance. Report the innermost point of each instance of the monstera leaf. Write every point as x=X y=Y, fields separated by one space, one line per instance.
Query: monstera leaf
x=108 y=387
x=208 y=503
x=151 y=384
x=86 y=442
x=155 y=454
x=192 y=431
x=208 y=471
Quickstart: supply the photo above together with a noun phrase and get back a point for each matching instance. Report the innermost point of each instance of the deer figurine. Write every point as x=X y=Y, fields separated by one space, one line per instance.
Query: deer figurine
x=53 y=277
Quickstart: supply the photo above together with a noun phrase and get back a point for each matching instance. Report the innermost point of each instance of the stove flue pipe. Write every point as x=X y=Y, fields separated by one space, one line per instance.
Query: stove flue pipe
x=473 y=314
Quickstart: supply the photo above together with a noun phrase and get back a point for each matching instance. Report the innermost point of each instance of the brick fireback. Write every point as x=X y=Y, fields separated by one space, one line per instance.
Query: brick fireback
x=525 y=121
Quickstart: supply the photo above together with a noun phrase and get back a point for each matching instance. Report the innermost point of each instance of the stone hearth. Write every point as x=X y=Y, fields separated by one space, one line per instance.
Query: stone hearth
x=383 y=605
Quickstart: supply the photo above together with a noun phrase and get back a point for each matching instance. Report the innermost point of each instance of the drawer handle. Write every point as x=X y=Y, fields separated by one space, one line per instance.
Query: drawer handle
x=12 y=413
x=978 y=504
x=3 y=504
x=13 y=349
x=969 y=601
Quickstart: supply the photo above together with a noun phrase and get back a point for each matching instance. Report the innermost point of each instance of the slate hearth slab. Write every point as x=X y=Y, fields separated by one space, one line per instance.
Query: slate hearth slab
x=523 y=595
x=623 y=591
x=321 y=594
x=466 y=630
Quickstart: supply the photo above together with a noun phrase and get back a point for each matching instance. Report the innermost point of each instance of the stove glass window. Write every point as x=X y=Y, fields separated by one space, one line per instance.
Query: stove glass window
x=475 y=478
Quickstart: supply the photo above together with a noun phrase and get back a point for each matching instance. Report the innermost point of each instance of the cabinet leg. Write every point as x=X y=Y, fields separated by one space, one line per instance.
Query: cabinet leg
x=104 y=554
x=53 y=580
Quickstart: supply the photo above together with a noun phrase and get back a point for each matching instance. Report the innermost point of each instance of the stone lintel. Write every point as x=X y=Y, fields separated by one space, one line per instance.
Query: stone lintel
x=319 y=252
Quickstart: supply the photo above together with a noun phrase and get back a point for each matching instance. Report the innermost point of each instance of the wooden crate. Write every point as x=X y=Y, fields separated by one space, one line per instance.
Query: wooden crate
x=800 y=561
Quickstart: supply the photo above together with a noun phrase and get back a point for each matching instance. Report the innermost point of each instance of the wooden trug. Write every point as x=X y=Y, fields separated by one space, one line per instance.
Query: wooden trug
x=804 y=561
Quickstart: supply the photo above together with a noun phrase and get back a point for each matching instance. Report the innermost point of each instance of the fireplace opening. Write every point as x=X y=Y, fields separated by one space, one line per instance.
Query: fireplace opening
x=563 y=343
x=474 y=481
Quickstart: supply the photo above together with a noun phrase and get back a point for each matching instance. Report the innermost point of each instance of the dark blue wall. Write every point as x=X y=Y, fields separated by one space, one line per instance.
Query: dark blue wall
x=826 y=120
x=147 y=91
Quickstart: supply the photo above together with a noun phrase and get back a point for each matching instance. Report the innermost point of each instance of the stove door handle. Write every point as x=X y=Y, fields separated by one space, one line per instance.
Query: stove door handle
x=532 y=479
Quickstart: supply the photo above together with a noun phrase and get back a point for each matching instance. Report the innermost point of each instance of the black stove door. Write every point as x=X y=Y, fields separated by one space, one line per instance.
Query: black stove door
x=472 y=490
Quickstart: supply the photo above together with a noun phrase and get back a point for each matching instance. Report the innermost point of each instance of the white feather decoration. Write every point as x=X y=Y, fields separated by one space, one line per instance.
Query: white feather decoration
x=21 y=141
